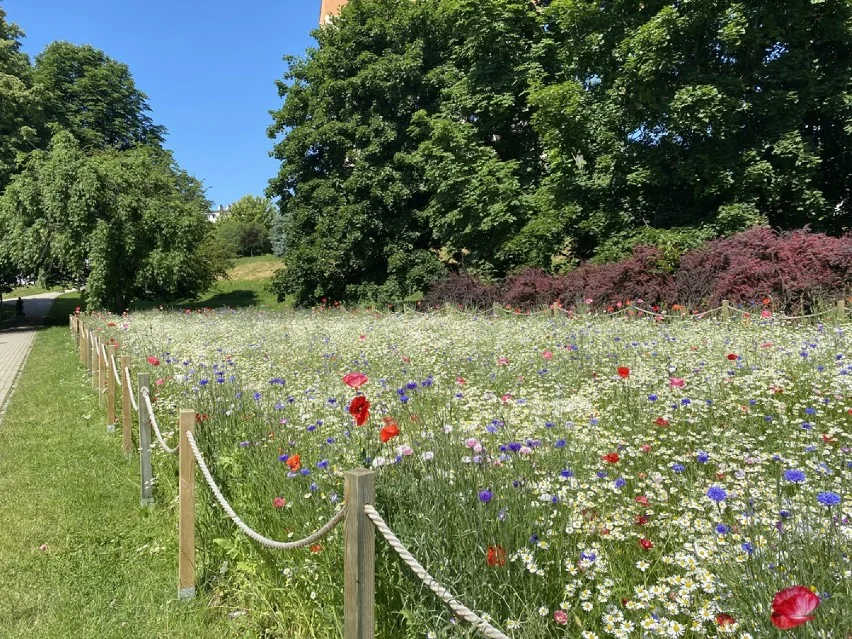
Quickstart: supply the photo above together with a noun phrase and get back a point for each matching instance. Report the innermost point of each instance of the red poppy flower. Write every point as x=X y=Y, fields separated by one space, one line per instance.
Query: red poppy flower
x=641 y=520
x=355 y=380
x=279 y=502
x=732 y=356
x=643 y=500
x=623 y=372
x=315 y=548
x=294 y=462
x=792 y=607
x=200 y=417
x=725 y=620
x=360 y=410
x=612 y=458
x=388 y=432
x=661 y=421
x=495 y=556
x=646 y=544
x=153 y=361
x=111 y=324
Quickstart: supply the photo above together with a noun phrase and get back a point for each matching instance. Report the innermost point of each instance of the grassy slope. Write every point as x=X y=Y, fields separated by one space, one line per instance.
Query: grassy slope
x=110 y=569
x=245 y=286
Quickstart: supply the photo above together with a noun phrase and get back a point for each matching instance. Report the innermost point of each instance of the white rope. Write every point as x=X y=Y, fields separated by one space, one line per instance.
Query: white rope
x=712 y=310
x=130 y=390
x=115 y=371
x=269 y=543
x=462 y=611
x=104 y=355
x=146 y=397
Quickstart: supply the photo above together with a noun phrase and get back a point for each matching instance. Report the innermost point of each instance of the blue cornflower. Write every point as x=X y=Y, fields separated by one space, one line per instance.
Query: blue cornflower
x=785 y=514
x=515 y=446
x=283 y=458
x=722 y=529
x=566 y=473
x=559 y=443
x=588 y=556
x=652 y=398
x=411 y=385
x=330 y=441
x=686 y=401
x=322 y=464
x=828 y=499
x=305 y=472
x=678 y=468
x=717 y=493
x=203 y=382
x=747 y=547
x=404 y=399
x=601 y=474
x=807 y=425
x=485 y=496
x=620 y=482
x=810 y=411
x=549 y=424
x=794 y=475
x=701 y=457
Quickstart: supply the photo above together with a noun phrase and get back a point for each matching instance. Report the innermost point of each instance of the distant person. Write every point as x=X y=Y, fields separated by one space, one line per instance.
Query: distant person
x=19 y=307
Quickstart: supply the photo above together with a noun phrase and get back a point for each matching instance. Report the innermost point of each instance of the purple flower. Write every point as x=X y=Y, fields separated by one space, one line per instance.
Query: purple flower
x=717 y=493
x=485 y=496
x=794 y=476
x=828 y=499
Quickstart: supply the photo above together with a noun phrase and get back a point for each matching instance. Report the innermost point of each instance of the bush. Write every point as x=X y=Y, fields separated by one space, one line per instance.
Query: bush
x=460 y=289
x=795 y=270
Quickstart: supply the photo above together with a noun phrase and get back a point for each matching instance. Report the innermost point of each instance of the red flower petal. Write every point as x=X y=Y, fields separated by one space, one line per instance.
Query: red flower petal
x=796 y=601
x=623 y=372
x=355 y=380
x=783 y=622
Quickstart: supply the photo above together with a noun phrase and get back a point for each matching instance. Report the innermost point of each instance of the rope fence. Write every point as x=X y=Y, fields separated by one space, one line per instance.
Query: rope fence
x=146 y=396
x=428 y=580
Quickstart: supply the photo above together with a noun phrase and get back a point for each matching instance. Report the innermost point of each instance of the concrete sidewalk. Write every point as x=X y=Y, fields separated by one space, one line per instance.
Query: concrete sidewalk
x=16 y=341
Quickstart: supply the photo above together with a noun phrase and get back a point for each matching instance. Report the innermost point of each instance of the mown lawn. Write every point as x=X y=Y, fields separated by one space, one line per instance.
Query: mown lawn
x=109 y=566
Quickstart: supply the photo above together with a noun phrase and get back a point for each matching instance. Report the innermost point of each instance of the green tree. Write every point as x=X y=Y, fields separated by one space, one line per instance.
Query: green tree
x=718 y=114
x=243 y=238
x=18 y=105
x=251 y=208
x=349 y=185
x=128 y=224
x=92 y=96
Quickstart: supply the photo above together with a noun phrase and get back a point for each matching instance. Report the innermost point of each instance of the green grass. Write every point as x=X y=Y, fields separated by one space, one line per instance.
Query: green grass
x=110 y=567
x=30 y=289
x=245 y=286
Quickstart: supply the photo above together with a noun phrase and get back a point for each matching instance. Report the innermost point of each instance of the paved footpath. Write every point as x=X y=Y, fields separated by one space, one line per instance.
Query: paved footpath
x=16 y=341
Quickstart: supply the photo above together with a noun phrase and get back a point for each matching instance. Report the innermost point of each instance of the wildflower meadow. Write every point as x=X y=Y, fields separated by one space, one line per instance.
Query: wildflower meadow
x=582 y=477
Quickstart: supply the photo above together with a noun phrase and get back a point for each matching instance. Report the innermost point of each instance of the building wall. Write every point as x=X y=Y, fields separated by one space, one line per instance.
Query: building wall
x=330 y=8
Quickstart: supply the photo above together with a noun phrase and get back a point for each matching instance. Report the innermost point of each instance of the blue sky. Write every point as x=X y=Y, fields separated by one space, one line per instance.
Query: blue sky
x=207 y=66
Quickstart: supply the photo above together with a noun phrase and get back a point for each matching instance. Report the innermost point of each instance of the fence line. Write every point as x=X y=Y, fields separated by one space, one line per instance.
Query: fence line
x=428 y=580
x=115 y=370
x=133 y=401
x=148 y=407
x=264 y=541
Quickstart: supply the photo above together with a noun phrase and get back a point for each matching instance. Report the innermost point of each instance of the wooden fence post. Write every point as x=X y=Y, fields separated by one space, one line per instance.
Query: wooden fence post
x=359 y=578
x=726 y=310
x=102 y=369
x=94 y=358
x=126 y=409
x=841 y=310
x=111 y=389
x=186 y=526
x=147 y=498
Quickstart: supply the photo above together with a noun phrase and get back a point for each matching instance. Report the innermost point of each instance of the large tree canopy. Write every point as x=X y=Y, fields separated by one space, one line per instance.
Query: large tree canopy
x=128 y=224
x=94 y=97
x=499 y=133
x=18 y=115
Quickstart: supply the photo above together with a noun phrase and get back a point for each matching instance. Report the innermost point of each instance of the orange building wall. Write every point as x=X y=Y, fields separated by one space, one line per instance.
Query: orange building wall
x=330 y=7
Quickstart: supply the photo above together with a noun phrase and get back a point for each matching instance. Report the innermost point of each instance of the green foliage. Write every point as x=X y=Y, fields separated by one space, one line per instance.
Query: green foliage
x=128 y=224
x=251 y=208
x=94 y=97
x=18 y=112
x=500 y=133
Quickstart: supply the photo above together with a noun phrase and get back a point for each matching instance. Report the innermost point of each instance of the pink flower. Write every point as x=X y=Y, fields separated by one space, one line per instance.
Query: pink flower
x=355 y=380
x=503 y=361
x=792 y=607
x=153 y=361
x=547 y=355
x=160 y=381
x=588 y=300
x=279 y=502
x=766 y=313
x=506 y=398
x=560 y=617
x=677 y=382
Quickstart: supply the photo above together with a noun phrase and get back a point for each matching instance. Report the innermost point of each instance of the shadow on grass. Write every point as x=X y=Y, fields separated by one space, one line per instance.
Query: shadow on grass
x=234 y=299
x=60 y=309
